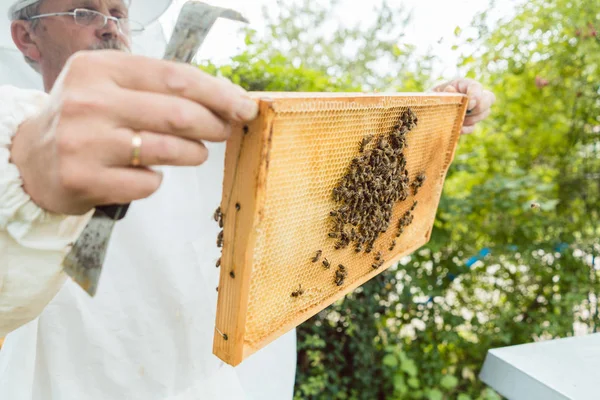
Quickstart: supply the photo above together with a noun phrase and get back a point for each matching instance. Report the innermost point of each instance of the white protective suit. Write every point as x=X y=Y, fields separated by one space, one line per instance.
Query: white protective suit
x=147 y=334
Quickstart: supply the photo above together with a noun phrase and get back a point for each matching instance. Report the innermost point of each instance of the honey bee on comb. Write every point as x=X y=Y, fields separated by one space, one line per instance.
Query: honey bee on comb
x=378 y=256
x=364 y=142
x=298 y=292
x=317 y=256
x=217 y=214
x=378 y=263
x=418 y=182
x=220 y=239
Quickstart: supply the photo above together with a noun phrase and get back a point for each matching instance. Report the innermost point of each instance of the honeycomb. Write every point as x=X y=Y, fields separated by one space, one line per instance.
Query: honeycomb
x=303 y=144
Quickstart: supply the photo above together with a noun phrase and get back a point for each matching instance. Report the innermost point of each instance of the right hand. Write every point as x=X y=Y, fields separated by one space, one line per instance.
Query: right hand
x=76 y=153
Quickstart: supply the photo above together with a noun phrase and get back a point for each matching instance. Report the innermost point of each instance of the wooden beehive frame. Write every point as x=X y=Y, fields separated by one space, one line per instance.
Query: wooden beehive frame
x=247 y=167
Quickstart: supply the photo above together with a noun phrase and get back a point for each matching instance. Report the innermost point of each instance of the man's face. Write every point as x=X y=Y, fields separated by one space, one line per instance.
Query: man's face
x=58 y=37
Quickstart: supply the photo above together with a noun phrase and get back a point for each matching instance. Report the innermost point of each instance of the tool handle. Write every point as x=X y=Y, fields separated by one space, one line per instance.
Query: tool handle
x=114 y=211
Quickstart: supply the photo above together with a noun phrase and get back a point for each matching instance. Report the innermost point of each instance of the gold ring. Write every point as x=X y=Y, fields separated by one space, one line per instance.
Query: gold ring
x=136 y=149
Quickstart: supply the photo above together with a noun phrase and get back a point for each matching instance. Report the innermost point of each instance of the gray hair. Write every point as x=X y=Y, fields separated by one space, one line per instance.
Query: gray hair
x=24 y=14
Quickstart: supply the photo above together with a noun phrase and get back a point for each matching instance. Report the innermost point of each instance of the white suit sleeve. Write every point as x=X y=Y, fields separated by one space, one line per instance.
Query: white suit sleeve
x=33 y=242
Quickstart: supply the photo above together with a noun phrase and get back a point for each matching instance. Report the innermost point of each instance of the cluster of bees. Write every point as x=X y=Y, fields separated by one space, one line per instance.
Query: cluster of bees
x=374 y=182
x=218 y=217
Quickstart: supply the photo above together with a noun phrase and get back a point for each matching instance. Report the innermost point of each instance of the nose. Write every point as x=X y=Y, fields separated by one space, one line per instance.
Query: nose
x=109 y=31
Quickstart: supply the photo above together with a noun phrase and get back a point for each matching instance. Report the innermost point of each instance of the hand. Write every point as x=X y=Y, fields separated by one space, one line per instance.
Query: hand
x=480 y=100
x=76 y=153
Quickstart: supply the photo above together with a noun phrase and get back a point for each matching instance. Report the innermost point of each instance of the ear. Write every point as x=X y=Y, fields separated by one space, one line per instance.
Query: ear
x=24 y=39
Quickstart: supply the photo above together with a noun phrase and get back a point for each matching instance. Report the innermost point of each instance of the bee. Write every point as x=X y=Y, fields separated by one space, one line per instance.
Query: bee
x=378 y=256
x=340 y=244
x=414 y=205
x=220 y=239
x=317 y=256
x=333 y=213
x=344 y=236
x=358 y=248
x=393 y=245
x=375 y=265
x=535 y=205
x=333 y=235
x=326 y=263
x=369 y=247
x=382 y=143
x=418 y=182
x=218 y=264
x=298 y=292
x=342 y=268
x=337 y=194
x=221 y=222
x=365 y=141
x=217 y=214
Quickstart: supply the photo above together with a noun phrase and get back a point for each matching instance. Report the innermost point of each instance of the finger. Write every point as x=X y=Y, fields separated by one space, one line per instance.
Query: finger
x=471 y=88
x=486 y=101
x=156 y=149
x=472 y=120
x=123 y=185
x=167 y=77
x=162 y=113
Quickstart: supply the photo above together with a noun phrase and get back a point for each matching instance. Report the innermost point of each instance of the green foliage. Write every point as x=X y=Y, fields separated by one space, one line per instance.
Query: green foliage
x=421 y=329
x=305 y=48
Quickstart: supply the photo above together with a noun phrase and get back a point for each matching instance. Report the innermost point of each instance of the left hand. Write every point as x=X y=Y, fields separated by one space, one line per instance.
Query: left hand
x=480 y=100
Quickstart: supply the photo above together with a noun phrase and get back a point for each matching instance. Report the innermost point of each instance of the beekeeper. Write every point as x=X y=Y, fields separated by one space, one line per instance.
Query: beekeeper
x=147 y=334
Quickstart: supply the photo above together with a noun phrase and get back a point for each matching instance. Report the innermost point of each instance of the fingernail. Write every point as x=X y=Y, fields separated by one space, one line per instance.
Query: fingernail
x=472 y=104
x=247 y=109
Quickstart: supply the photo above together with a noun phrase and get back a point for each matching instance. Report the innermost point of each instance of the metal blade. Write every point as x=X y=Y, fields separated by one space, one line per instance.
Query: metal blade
x=193 y=24
x=84 y=261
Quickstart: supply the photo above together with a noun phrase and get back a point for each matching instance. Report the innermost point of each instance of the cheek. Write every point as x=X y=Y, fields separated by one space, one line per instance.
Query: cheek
x=81 y=38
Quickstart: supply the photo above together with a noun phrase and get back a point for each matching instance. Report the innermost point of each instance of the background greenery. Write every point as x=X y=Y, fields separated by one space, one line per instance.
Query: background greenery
x=496 y=272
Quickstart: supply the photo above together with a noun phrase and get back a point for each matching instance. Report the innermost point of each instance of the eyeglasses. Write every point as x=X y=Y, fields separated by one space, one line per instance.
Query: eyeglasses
x=97 y=20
